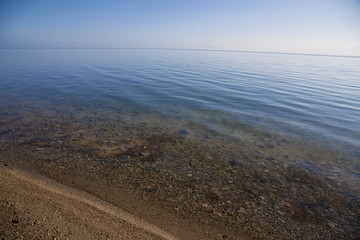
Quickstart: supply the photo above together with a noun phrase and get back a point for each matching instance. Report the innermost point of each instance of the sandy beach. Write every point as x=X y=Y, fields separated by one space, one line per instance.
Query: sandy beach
x=194 y=120
x=36 y=207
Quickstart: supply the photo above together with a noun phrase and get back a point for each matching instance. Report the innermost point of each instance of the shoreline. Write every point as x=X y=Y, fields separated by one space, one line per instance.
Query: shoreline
x=34 y=205
x=33 y=195
x=193 y=182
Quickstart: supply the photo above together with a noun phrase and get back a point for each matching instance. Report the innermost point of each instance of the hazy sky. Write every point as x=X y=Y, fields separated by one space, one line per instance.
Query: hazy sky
x=305 y=26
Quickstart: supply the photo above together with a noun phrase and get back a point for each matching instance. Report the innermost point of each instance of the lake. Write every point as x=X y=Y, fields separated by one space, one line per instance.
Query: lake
x=252 y=136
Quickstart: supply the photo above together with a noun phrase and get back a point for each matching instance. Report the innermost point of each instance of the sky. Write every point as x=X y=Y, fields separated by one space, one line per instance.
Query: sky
x=306 y=26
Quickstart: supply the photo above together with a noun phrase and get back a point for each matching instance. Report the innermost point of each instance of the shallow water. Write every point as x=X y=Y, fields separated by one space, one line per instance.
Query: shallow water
x=254 y=134
x=317 y=95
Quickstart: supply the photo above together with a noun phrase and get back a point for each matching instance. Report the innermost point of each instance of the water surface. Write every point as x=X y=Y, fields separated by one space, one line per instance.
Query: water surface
x=241 y=127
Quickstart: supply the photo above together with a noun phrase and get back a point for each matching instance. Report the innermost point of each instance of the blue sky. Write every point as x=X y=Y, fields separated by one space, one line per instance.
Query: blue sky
x=307 y=26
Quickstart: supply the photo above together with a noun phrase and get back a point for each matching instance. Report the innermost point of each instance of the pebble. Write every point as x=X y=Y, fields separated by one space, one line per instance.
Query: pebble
x=332 y=225
x=145 y=154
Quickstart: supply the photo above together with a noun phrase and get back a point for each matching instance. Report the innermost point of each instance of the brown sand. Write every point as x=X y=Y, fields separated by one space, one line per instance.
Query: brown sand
x=36 y=207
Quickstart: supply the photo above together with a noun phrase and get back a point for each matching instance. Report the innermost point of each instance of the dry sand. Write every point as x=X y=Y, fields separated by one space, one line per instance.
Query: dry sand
x=36 y=207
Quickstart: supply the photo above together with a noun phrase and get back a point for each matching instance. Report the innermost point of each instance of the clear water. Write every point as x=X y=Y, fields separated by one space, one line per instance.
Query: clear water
x=316 y=98
x=271 y=139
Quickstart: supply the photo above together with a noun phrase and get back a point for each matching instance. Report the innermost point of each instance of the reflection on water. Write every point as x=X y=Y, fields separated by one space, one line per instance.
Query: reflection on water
x=268 y=144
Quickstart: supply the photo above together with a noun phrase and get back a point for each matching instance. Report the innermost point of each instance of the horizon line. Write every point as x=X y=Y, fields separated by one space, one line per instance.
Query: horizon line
x=188 y=49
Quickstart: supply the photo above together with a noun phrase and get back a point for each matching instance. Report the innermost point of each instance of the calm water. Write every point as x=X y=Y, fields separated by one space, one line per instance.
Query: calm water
x=312 y=97
x=267 y=143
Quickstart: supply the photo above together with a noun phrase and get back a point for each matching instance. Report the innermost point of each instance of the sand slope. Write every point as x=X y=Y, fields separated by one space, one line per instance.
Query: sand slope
x=36 y=207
